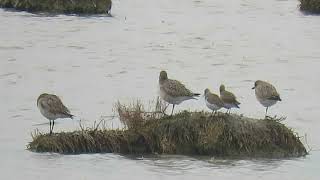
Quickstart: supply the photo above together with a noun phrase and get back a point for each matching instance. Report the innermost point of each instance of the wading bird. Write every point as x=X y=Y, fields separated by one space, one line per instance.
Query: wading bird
x=173 y=91
x=213 y=101
x=266 y=94
x=52 y=108
x=228 y=98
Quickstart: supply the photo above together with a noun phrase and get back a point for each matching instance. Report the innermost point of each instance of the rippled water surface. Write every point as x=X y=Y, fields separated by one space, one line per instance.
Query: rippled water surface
x=91 y=62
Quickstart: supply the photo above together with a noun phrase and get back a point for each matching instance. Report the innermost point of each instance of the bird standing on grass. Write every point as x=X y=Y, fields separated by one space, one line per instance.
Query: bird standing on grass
x=52 y=108
x=213 y=101
x=228 y=98
x=266 y=94
x=173 y=91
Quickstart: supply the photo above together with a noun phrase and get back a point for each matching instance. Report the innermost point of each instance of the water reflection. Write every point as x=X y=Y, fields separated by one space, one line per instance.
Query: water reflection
x=178 y=164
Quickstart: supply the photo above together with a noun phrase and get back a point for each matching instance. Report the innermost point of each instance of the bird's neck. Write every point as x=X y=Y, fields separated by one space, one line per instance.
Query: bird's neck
x=162 y=81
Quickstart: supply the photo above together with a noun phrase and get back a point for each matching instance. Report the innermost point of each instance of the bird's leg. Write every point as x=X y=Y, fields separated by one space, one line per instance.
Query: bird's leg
x=214 y=113
x=266 y=112
x=50 y=127
x=172 y=109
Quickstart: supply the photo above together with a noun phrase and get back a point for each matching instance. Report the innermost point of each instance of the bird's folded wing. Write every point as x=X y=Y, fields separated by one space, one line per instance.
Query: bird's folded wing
x=55 y=105
x=175 y=88
x=228 y=97
x=214 y=99
x=270 y=92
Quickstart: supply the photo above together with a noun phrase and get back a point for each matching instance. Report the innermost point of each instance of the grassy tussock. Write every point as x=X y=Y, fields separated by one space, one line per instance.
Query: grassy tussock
x=312 y=6
x=59 y=6
x=134 y=115
x=191 y=133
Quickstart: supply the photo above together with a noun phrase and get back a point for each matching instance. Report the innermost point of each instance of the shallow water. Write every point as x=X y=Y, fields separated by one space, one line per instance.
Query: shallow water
x=91 y=62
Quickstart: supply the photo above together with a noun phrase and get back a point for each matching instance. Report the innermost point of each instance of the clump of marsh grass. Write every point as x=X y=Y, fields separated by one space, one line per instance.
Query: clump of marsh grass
x=134 y=115
x=191 y=133
x=311 y=6
x=84 y=141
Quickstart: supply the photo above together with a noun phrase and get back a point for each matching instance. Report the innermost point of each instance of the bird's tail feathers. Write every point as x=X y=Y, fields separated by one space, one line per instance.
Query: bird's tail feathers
x=68 y=115
x=75 y=118
x=196 y=94
x=277 y=98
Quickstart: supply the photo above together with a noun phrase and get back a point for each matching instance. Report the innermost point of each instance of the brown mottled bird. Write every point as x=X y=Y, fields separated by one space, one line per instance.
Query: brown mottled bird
x=173 y=91
x=213 y=101
x=266 y=94
x=52 y=108
x=228 y=98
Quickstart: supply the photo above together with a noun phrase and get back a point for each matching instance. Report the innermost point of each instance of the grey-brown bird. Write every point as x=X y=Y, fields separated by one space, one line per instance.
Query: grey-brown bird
x=173 y=91
x=228 y=98
x=266 y=94
x=213 y=101
x=52 y=108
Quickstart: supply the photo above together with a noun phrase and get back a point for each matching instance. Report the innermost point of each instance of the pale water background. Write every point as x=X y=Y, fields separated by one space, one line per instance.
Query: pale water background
x=91 y=62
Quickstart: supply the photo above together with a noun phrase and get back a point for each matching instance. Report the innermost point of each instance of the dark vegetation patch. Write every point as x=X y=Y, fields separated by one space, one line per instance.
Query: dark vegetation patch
x=59 y=6
x=311 y=6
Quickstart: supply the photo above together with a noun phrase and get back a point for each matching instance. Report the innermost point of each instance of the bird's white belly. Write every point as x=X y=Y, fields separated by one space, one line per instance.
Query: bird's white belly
x=267 y=102
x=212 y=106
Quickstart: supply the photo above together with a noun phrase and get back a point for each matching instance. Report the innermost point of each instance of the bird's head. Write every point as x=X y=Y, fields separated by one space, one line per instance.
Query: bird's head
x=257 y=83
x=163 y=76
x=206 y=91
x=222 y=88
x=41 y=96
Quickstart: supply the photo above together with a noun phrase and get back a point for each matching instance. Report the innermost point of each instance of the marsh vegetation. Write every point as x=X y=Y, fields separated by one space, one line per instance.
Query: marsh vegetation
x=190 y=133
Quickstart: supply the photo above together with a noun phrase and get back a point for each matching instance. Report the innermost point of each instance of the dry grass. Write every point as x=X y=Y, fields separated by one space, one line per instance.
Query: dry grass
x=134 y=115
x=311 y=6
x=191 y=133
